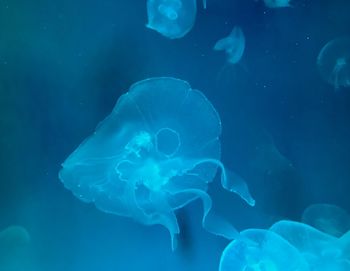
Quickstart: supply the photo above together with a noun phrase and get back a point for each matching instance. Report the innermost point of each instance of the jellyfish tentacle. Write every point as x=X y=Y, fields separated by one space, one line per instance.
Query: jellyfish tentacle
x=166 y=216
x=232 y=182
x=235 y=183
x=210 y=221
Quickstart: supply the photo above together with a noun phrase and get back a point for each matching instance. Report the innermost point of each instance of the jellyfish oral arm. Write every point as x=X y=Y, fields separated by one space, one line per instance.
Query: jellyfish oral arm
x=212 y=222
x=232 y=182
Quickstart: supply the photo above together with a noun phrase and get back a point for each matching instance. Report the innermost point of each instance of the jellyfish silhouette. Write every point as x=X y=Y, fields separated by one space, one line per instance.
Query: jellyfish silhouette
x=172 y=18
x=328 y=218
x=261 y=250
x=156 y=152
x=14 y=248
x=233 y=45
x=333 y=62
x=322 y=251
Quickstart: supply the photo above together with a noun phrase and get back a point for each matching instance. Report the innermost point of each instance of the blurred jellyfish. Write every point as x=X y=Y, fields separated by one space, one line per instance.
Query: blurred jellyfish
x=13 y=244
x=172 y=18
x=261 y=250
x=322 y=251
x=328 y=218
x=267 y=157
x=233 y=45
x=333 y=62
x=277 y=3
x=156 y=152
x=14 y=236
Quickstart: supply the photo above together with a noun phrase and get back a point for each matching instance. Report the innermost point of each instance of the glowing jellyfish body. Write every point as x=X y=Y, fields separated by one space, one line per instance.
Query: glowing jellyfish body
x=333 y=62
x=328 y=218
x=277 y=3
x=171 y=18
x=322 y=251
x=233 y=45
x=261 y=250
x=156 y=152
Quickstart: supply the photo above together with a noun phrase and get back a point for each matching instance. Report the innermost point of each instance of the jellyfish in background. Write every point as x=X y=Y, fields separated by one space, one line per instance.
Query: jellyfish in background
x=13 y=236
x=156 y=152
x=328 y=218
x=323 y=252
x=261 y=250
x=333 y=62
x=277 y=3
x=14 y=246
x=233 y=45
x=172 y=18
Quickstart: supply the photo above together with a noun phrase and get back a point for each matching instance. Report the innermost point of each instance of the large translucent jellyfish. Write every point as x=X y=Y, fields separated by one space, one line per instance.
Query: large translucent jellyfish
x=233 y=45
x=172 y=18
x=261 y=250
x=277 y=3
x=328 y=218
x=322 y=251
x=333 y=62
x=156 y=152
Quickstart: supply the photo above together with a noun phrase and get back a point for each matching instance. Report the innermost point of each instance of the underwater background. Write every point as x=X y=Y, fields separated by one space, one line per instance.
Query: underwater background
x=63 y=66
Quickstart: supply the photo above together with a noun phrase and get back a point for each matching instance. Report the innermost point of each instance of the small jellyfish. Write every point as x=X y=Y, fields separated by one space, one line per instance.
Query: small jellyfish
x=328 y=218
x=233 y=45
x=14 y=236
x=261 y=250
x=277 y=3
x=172 y=18
x=14 y=242
x=321 y=251
x=156 y=152
x=333 y=62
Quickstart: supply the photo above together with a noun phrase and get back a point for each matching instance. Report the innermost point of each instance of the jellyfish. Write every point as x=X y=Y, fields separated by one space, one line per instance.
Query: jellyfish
x=14 y=236
x=277 y=3
x=321 y=251
x=233 y=45
x=261 y=250
x=14 y=241
x=333 y=62
x=156 y=152
x=172 y=18
x=328 y=218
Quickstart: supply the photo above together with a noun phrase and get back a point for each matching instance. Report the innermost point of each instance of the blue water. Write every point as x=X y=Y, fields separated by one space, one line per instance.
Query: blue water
x=64 y=64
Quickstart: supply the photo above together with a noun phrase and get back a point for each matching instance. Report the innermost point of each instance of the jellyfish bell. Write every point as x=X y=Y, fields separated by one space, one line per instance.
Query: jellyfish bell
x=333 y=62
x=157 y=151
x=261 y=250
x=14 y=236
x=321 y=251
x=171 y=18
x=233 y=45
x=14 y=248
x=328 y=218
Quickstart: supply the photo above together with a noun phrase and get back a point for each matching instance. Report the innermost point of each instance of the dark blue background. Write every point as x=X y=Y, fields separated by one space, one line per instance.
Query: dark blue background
x=63 y=65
